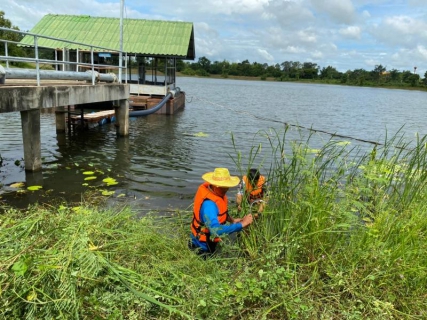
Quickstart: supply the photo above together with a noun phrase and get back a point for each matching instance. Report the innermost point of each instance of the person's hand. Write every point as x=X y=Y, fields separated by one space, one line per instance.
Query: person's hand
x=235 y=220
x=247 y=220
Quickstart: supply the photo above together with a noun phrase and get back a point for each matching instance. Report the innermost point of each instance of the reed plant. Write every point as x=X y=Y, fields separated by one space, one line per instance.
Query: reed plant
x=349 y=225
x=343 y=236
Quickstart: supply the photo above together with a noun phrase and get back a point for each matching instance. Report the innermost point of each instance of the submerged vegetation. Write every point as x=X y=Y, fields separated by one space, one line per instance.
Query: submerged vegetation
x=343 y=237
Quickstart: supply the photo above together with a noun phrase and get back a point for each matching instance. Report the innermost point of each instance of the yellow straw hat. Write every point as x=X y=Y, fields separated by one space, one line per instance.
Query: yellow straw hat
x=221 y=178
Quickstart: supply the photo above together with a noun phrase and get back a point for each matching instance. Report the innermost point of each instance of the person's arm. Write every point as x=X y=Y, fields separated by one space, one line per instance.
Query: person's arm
x=210 y=211
x=233 y=220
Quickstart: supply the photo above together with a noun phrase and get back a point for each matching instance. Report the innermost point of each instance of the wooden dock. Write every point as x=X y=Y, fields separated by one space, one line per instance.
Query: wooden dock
x=87 y=120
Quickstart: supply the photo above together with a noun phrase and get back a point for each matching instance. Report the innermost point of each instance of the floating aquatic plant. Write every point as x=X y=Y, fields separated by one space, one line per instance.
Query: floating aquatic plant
x=34 y=188
x=110 y=181
x=201 y=134
x=107 y=193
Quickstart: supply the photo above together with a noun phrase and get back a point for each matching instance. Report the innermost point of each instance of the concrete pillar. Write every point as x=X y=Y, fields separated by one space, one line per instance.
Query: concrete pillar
x=30 y=122
x=60 y=119
x=122 y=118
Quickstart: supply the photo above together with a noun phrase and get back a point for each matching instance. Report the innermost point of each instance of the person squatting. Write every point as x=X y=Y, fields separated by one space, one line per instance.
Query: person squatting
x=210 y=213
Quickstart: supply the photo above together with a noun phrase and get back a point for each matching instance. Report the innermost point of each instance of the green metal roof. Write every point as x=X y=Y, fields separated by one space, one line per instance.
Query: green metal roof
x=145 y=37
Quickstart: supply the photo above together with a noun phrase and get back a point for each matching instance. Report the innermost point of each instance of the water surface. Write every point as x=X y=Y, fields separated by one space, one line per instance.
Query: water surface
x=160 y=164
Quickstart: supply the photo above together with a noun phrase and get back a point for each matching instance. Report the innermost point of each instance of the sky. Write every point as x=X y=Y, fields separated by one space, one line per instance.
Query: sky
x=344 y=34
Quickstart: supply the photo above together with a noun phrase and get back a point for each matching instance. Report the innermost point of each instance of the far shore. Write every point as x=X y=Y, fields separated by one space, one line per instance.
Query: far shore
x=312 y=81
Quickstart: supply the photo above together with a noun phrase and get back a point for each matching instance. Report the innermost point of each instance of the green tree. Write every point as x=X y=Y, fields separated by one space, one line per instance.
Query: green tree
x=286 y=68
x=180 y=65
x=377 y=72
x=395 y=75
x=309 y=70
x=406 y=76
x=257 y=69
x=244 y=68
x=204 y=64
x=330 y=73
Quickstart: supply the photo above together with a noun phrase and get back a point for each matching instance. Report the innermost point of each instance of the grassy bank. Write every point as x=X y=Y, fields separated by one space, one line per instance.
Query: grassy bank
x=340 y=239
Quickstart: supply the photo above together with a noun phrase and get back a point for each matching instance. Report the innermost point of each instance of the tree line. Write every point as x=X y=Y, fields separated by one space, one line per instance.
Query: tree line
x=302 y=71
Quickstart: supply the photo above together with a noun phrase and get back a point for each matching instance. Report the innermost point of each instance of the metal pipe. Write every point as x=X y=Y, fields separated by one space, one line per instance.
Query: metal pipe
x=121 y=40
x=141 y=113
x=63 y=59
x=17 y=73
x=46 y=61
x=93 y=67
x=56 y=59
x=6 y=53
x=77 y=59
x=36 y=55
x=126 y=67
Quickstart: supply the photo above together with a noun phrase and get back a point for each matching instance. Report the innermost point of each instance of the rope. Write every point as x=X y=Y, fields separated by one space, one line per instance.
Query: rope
x=290 y=124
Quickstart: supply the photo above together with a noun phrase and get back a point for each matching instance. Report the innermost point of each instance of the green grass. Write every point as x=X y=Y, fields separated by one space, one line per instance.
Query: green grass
x=343 y=237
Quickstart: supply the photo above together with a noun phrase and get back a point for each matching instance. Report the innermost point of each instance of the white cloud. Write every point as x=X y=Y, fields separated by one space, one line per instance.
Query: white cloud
x=307 y=36
x=288 y=14
x=401 y=30
x=317 y=54
x=422 y=51
x=351 y=32
x=340 y=11
x=265 y=55
x=292 y=49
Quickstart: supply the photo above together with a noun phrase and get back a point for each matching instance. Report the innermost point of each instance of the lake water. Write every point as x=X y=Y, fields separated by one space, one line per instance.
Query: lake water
x=159 y=166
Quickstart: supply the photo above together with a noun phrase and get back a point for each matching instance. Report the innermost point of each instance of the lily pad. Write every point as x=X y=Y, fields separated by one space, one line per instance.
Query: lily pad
x=201 y=134
x=107 y=193
x=90 y=178
x=88 y=173
x=34 y=188
x=110 y=181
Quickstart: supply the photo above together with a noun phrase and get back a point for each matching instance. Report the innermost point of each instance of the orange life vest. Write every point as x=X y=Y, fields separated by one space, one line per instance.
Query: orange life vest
x=257 y=192
x=198 y=229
